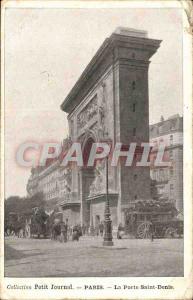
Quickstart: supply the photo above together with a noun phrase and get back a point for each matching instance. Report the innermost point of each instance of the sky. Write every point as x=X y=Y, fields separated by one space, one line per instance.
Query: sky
x=46 y=51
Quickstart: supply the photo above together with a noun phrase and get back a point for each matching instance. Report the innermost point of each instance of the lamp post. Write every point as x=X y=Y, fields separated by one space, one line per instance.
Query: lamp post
x=91 y=219
x=108 y=226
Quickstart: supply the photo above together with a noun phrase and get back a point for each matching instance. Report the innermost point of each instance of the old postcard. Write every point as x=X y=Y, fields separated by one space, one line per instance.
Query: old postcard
x=96 y=150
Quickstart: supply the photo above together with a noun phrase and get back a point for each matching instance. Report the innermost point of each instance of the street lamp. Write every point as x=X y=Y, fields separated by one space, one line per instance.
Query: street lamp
x=108 y=228
x=91 y=221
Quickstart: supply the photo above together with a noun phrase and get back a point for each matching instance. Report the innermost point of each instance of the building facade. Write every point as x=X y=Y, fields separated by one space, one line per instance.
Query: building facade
x=53 y=180
x=169 y=180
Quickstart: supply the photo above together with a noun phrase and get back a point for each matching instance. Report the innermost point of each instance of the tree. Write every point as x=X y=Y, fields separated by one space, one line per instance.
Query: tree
x=23 y=205
x=13 y=204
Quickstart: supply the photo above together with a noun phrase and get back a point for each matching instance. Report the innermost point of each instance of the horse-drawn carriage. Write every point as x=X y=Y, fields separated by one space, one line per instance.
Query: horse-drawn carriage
x=40 y=223
x=152 y=218
x=37 y=223
x=34 y=222
x=14 y=224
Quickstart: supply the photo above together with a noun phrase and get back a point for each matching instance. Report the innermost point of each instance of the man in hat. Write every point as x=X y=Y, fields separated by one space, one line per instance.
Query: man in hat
x=63 y=227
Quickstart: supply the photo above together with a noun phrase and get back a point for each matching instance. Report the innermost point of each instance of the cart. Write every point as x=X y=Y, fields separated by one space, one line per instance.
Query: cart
x=153 y=219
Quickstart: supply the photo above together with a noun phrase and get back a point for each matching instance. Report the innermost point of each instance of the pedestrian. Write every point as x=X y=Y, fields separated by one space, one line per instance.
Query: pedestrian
x=71 y=231
x=63 y=235
x=151 y=229
x=79 y=230
x=53 y=235
x=76 y=233
x=97 y=230
x=20 y=233
x=87 y=229
x=101 y=228
x=83 y=229
x=56 y=230
x=67 y=230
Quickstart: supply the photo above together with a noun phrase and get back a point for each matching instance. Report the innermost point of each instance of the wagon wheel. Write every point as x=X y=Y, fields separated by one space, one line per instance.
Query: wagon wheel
x=143 y=230
x=170 y=232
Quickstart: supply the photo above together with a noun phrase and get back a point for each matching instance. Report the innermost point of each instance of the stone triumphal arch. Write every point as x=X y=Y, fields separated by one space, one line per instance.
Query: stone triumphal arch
x=110 y=102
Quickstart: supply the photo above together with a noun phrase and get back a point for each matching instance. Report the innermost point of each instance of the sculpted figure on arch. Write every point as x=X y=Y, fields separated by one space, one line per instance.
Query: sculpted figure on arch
x=102 y=110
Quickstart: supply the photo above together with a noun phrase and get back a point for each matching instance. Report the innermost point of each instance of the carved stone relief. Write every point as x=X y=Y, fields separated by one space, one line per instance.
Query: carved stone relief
x=87 y=114
x=65 y=182
x=98 y=185
x=95 y=112
x=102 y=112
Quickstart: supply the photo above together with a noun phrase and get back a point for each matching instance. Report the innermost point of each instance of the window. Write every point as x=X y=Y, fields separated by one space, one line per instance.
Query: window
x=135 y=176
x=133 y=55
x=156 y=175
x=134 y=107
x=135 y=197
x=161 y=174
x=171 y=171
x=134 y=131
x=171 y=139
x=171 y=154
x=133 y=85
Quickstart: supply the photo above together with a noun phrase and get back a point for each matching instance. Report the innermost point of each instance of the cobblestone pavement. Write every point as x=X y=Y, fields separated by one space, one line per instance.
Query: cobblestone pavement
x=129 y=257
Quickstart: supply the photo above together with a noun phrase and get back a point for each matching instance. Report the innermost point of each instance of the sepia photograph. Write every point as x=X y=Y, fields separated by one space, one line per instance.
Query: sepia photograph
x=94 y=160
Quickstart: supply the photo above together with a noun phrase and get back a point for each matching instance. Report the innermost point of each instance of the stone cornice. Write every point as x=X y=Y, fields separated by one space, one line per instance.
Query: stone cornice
x=107 y=55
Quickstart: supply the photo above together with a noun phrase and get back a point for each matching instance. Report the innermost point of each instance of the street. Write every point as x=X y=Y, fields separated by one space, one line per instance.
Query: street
x=128 y=257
